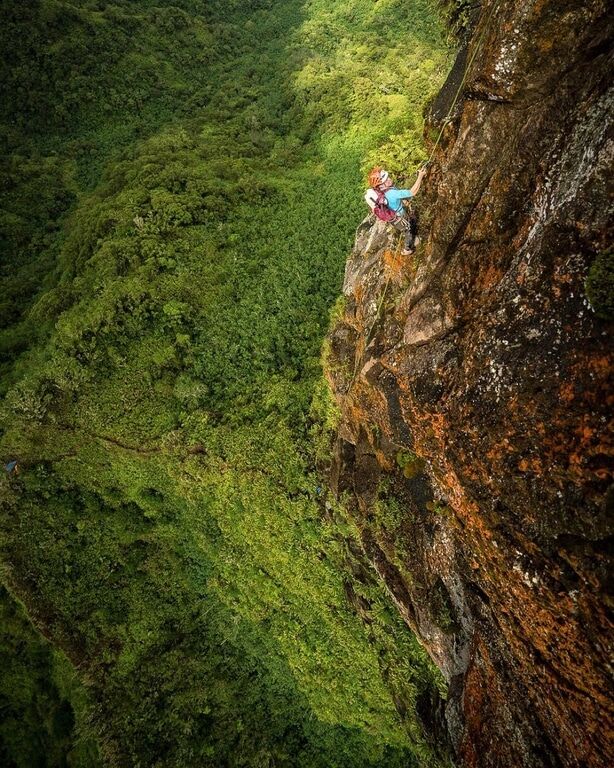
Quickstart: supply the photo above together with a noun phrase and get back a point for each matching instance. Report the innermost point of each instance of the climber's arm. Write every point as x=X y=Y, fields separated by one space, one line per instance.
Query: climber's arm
x=404 y=194
x=416 y=187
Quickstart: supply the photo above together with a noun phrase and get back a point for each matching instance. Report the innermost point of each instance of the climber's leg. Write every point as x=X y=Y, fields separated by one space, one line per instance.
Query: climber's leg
x=408 y=246
x=411 y=231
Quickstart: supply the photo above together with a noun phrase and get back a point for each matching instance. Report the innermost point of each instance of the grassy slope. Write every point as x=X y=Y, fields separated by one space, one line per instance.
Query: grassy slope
x=167 y=522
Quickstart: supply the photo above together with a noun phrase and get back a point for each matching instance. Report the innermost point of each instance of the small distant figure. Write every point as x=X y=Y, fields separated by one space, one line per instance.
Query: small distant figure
x=386 y=202
x=12 y=467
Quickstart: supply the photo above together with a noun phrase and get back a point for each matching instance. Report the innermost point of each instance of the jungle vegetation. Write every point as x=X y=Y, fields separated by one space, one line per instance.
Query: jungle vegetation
x=180 y=187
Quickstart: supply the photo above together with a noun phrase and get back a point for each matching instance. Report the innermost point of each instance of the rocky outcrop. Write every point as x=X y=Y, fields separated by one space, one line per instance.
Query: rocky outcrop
x=474 y=382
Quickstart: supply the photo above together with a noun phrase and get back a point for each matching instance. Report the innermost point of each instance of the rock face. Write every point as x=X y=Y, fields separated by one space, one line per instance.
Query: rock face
x=474 y=381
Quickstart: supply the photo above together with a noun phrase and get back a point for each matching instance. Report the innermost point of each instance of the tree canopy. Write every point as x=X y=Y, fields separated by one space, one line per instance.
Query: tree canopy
x=181 y=186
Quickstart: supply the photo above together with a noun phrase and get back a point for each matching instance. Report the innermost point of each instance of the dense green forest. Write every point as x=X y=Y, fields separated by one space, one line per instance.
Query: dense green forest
x=181 y=185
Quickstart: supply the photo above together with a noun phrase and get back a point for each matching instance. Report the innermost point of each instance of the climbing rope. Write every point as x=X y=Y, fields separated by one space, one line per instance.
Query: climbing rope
x=378 y=310
x=373 y=324
x=397 y=255
x=446 y=119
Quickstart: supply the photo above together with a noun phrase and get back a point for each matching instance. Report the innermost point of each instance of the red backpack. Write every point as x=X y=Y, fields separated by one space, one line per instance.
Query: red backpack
x=382 y=210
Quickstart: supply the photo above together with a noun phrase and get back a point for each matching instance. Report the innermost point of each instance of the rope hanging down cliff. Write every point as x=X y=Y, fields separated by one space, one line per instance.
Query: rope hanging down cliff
x=468 y=66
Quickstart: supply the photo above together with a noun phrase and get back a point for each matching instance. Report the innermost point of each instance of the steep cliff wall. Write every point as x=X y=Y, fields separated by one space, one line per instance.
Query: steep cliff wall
x=474 y=382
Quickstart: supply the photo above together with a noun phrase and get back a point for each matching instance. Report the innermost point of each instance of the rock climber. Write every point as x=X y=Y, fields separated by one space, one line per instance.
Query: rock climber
x=386 y=201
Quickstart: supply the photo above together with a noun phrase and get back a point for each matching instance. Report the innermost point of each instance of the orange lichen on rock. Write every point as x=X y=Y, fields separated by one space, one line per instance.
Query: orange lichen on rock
x=489 y=277
x=566 y=392
x=533 y=465
x=397 y=267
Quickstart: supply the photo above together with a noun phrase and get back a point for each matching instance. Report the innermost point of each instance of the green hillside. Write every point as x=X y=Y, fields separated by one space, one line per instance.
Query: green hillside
x=181 y=187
